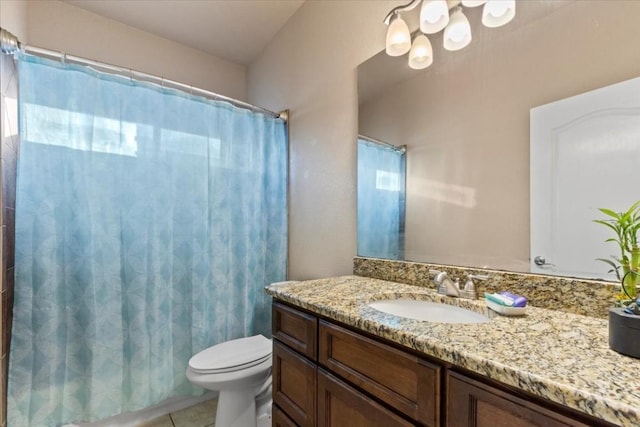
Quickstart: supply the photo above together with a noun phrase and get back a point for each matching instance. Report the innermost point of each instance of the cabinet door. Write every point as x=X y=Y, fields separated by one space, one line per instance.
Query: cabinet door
x=296 y=329
x=280 y=419
x=294 y=385
x=340 y=405
x=471 y=403
x=403 y=381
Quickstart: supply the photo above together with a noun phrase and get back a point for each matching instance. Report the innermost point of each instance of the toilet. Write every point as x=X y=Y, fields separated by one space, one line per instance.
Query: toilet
x=240 y=371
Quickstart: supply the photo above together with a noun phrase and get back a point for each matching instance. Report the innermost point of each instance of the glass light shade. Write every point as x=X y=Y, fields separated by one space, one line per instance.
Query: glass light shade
x=498 y=12
x=421 y=55
x=434 y=16
x=473 y=3
x=398 y=37
x=457 y=35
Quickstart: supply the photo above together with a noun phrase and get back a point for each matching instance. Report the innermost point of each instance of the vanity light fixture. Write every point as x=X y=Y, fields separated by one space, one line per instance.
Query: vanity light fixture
x=398 y=36
x=497 y=13
x=421 y=55
x=457 y=35
x=473 y=3
x=436 y=15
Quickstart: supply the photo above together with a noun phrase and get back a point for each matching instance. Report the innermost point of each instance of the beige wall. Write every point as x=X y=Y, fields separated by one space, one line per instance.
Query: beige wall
x=310 y=68
x=14 y=18
x=466 y=124
x=63 y=27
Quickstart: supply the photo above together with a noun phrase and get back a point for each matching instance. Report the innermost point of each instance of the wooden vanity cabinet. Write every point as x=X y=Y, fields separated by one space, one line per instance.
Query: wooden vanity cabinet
x=328 y=375
x=471 y=403
x=403 y=381
x=294 y=385
x=294 y=366
x=341 y=405
x=280 y=419
x=296 y=329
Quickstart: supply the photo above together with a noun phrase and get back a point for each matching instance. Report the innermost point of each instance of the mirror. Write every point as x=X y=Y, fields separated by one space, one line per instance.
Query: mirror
x=465 y=122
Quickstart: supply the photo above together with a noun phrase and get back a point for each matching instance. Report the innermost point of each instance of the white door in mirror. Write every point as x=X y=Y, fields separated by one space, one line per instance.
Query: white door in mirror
x=585 y=155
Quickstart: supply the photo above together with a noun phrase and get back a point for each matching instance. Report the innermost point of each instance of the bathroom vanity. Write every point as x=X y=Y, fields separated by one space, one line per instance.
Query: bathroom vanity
x=339 y=362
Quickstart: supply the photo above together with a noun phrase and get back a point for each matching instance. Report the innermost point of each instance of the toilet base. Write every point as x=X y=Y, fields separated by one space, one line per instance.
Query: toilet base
x=264 y=420
x=236 y=409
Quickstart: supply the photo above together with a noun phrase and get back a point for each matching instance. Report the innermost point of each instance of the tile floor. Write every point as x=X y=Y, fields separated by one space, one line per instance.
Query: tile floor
x=200 y=415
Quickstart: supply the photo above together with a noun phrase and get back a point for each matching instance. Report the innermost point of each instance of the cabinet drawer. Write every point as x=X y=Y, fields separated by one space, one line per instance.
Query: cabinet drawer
x=280 y=419
x=340 y=405
x=471 y=403
x=296 y=329
x=403 y=381
x=294 y=385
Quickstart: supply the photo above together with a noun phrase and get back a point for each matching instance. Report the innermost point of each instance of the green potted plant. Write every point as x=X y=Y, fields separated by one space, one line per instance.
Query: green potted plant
x=626 y=227
x=624 y=320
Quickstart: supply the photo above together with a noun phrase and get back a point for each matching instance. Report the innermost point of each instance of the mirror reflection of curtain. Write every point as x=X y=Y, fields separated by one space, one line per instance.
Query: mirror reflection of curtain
x=381 y=200
x=148 y=223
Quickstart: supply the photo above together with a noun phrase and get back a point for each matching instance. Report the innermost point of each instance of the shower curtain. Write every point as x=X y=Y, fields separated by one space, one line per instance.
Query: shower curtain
x=148 y=222
x=381 y=199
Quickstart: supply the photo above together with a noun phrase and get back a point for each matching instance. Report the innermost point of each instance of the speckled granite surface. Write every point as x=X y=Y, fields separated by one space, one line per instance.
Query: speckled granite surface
x=579 y=296
x=559 y=356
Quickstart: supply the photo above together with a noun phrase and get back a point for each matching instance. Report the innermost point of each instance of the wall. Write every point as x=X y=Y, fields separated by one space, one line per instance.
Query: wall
x=310 y=68
x=62 y=27
x=14 y=18
x=465 y=121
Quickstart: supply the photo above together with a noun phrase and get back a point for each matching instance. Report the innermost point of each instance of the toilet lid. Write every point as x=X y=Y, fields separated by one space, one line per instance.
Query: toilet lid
x=232 y=355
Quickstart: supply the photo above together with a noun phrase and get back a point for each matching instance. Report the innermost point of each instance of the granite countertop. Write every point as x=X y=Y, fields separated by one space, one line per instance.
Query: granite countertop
x=559 y=356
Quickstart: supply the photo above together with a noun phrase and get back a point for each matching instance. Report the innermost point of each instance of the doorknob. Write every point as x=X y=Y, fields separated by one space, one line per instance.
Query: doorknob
x=541 y=261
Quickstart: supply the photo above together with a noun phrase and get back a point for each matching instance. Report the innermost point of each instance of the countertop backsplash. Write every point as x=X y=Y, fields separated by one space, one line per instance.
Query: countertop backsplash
x=571 y=295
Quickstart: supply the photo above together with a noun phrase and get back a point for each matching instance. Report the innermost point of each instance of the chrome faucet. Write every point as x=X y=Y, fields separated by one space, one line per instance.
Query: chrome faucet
x=450 y=288
x=445 y=285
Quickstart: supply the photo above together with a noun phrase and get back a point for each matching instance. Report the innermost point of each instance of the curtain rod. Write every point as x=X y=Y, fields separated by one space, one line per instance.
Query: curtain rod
x=401 y=149
x=10 y=44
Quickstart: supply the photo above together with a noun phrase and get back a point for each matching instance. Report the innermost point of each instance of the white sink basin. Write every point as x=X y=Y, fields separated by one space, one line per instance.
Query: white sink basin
x=428 y=311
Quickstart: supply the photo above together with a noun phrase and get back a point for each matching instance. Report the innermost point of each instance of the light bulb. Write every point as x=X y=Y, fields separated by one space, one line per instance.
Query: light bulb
x=398 y=37
x=497 y=9
x=473 y=3
x=457 y=35
x=421 y=55
x=498 y=12
x=434 y=16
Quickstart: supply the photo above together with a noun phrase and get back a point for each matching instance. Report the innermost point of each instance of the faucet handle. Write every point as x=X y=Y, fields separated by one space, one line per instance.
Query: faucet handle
x=469 y=285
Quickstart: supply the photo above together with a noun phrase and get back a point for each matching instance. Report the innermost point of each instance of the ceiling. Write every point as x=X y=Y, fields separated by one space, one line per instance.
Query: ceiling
x=234 y=30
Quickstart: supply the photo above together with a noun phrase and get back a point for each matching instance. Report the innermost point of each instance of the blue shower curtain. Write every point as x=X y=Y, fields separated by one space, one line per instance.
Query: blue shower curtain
x=381 y=200
x=148 y=222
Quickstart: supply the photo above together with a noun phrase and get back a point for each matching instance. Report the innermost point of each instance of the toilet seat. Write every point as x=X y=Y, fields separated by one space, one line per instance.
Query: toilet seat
x=232 y=356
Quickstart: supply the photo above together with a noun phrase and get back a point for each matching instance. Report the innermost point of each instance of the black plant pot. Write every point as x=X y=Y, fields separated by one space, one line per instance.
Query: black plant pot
x=624 y=332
